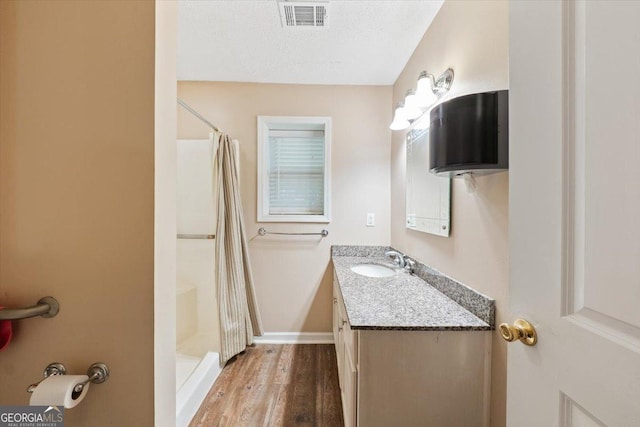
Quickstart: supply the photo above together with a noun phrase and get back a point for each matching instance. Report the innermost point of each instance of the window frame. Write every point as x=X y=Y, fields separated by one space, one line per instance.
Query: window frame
x=267 y=123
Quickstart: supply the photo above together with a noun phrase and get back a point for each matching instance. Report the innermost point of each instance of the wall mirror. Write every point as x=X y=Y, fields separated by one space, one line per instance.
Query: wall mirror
x=428 y=196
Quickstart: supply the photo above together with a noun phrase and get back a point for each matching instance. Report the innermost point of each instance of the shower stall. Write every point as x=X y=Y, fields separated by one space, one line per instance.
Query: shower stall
x=197 y=328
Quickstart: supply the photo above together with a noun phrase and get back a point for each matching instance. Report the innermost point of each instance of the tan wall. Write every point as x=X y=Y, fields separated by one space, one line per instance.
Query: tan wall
x=76 y=198
x=293 y=279
x=472 y=38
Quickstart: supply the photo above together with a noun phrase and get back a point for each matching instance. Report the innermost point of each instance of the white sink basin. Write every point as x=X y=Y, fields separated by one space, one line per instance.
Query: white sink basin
x=373 y=270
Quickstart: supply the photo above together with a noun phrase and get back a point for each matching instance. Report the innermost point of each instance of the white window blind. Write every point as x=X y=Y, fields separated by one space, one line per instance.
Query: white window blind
x=296 y=172
x=294 y=169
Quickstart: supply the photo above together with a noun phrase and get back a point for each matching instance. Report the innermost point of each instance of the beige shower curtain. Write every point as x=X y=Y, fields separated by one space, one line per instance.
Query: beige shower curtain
x=238 y=310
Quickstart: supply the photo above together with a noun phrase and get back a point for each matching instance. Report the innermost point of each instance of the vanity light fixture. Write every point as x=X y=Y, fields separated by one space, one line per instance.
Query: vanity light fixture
x=417 y=101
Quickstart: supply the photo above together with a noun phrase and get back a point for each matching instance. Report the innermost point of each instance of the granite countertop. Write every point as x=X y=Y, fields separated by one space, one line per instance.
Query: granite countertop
x=402 y=302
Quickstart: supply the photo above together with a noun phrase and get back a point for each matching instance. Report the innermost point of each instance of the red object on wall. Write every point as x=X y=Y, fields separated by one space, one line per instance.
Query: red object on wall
x=6 y=332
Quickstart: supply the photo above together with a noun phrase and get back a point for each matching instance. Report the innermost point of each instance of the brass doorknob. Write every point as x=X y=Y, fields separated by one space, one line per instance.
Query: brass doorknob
x=520 y=330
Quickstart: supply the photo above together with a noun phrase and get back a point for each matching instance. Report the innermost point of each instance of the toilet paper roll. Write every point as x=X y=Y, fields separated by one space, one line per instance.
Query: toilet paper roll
x=57 y=390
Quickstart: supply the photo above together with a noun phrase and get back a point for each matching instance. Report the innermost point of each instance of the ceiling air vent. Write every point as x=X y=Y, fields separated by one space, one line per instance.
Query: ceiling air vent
x=303 y=14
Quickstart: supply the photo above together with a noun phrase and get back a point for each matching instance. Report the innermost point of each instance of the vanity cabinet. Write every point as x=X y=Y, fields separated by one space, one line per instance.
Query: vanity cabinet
x=399 y=377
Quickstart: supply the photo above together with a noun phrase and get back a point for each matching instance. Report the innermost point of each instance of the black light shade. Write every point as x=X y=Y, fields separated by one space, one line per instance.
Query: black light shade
x=470 y=134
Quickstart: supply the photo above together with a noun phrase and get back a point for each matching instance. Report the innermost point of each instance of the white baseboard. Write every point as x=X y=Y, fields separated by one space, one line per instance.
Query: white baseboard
x=295 y=338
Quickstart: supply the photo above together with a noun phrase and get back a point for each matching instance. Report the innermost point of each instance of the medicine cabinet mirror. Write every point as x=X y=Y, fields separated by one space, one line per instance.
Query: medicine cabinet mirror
x=428 y=196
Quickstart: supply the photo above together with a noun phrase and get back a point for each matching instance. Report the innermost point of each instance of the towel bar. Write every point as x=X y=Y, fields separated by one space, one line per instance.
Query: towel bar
x=46 y=307
x=262 y=231
x=197 y=236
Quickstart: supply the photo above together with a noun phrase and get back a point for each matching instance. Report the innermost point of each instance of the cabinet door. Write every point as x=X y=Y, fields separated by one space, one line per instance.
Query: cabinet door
x=336 y=318
x=337 y=331
x=349 y=389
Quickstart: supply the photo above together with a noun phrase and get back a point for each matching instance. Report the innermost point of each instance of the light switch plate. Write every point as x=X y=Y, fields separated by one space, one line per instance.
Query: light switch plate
x=371 y=219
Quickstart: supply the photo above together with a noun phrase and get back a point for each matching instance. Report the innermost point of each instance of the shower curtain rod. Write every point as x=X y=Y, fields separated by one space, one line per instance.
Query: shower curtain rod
x=195 y=113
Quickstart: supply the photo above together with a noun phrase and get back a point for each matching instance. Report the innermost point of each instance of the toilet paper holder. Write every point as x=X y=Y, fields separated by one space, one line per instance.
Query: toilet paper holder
x=97 y=373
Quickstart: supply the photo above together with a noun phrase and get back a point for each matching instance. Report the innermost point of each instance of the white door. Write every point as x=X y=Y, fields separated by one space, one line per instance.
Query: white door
x=575 y=212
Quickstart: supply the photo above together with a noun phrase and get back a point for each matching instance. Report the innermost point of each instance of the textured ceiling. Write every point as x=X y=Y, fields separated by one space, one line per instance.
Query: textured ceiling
x=365 y=43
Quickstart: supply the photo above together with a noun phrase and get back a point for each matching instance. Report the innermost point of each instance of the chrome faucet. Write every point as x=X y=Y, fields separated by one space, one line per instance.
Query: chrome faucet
x=409 y=265
x=398 y=258
x=402 y=261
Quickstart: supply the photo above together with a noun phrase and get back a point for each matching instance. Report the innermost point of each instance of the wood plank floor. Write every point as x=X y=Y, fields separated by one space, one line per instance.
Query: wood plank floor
x=275 y=385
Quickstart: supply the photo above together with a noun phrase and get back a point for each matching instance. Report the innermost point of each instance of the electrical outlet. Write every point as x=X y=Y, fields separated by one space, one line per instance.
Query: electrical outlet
x=371 y=219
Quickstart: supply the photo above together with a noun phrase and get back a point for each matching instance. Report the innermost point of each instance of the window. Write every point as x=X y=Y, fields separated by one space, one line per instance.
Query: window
x=294 y=169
